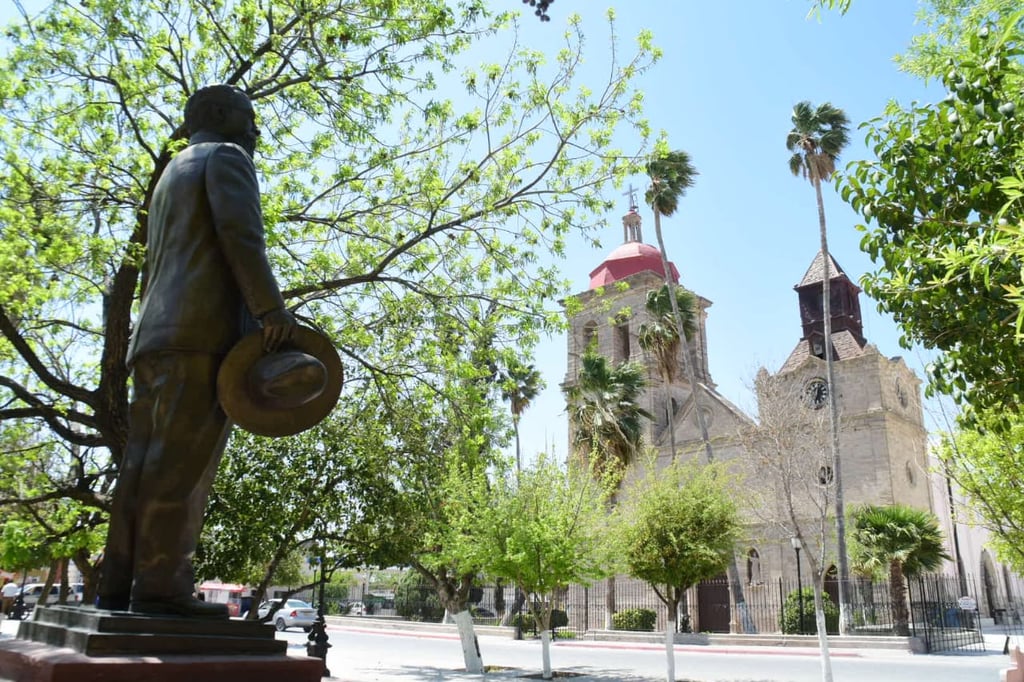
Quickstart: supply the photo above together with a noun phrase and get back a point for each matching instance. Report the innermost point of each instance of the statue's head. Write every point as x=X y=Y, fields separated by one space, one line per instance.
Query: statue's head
x=224 y=110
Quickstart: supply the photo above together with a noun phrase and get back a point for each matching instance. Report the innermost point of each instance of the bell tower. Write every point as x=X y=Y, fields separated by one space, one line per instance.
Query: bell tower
x=844 y=297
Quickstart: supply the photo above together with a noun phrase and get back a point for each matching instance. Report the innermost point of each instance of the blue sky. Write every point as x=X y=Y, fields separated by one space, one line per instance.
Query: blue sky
x=747 y=231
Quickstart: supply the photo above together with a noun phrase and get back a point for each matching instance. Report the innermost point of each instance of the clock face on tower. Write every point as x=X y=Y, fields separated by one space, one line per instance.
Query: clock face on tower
x=816 y=393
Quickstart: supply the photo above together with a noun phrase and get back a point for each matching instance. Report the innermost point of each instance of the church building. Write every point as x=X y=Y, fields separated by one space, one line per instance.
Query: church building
x=882 y=440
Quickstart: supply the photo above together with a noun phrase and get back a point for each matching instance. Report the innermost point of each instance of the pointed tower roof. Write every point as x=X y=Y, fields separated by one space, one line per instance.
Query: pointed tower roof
x=816 y=272
x=631 y=257
x=847 y=330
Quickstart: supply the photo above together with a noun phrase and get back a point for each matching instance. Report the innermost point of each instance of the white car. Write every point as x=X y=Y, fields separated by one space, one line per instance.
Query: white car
x=31 y=593
x=294 y=613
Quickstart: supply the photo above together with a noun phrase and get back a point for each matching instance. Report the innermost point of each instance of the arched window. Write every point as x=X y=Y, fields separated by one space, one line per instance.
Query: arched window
x=590 y=336
x=753 y=567
x=622 y=349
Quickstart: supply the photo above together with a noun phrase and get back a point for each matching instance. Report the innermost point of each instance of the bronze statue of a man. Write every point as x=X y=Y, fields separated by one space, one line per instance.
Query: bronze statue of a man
x=206 y=283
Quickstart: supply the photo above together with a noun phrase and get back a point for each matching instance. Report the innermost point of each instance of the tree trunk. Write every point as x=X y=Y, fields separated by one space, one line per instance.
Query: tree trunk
x=735 y=587
x=545 y=653
x=819 y=619
x=898 y=588
x=845 y=619
x=470 y=646
x=671 y=619
x=519 y=456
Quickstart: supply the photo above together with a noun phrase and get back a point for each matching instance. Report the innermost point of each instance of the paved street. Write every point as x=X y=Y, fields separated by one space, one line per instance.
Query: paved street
x=363 y=654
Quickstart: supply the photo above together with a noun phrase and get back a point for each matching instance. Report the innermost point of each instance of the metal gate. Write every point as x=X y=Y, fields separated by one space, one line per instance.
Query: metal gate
x=943 y=617
x=713 y=605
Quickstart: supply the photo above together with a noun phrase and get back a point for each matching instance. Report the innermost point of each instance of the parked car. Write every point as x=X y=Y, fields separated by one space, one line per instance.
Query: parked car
x=294 y=613
x=356 y=608
x=31 y=593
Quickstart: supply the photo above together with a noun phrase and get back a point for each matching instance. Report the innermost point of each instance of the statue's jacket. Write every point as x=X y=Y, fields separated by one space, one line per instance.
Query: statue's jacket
x=206 y=277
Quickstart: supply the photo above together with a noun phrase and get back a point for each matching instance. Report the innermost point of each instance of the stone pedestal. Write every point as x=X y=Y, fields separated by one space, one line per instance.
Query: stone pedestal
x=83 y=644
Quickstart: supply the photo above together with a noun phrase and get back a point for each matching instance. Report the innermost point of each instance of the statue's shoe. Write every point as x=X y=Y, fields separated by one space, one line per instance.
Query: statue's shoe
x=187 y=607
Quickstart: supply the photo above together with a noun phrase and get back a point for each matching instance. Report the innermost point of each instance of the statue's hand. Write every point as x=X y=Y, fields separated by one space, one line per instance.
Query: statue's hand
x=278 y=326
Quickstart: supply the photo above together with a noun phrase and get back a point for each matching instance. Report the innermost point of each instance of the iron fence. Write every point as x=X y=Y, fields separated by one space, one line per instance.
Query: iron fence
x=942 y=610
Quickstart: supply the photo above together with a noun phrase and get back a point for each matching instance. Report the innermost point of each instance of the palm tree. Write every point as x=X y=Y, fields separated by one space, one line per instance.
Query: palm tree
x=819 y=134
x=903 y=540
x=521 y=385
x=606 y=416
x=671 y=174
x=660 y=338
x=606 y=426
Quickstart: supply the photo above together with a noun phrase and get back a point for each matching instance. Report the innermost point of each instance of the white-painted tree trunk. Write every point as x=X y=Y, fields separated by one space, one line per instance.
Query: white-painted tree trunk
x=819 y=619
x=470 y=647
x=545 y=652
x=670 y=651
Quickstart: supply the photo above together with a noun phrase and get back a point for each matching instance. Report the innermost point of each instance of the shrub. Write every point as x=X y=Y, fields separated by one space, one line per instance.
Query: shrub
x=415 y=599
x=637 y=620
x=791 y=613
x=524 y=621
x=527 y=622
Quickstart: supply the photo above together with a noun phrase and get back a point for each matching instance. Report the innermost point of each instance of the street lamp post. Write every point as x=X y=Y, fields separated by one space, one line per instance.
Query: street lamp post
x=317 y=644
x=795 y=542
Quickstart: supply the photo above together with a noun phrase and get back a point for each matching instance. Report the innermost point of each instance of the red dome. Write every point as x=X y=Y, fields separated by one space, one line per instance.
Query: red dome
x=629 y=259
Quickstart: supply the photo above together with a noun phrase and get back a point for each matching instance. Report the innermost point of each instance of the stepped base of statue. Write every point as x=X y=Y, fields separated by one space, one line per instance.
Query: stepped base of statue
x=82 y=644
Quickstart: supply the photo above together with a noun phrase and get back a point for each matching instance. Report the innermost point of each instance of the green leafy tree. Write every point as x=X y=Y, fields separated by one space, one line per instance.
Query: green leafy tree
x=987 y=465
x=272 y=497
x=941 y=201
x=416 y=599
x=606 y=426
x=671 y=173
x=433 y=478
x=902 y=541
x=386 y=204
x=605 y=416
x=680 y=527
x=818 y=136
x=52 y=528
x=546 y=530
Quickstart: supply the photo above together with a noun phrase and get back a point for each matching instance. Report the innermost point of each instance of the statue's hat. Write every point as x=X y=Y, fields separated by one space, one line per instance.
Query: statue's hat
x=284 y=392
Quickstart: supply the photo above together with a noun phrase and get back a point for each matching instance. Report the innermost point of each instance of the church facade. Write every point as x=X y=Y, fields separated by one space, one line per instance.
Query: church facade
x=882 y=434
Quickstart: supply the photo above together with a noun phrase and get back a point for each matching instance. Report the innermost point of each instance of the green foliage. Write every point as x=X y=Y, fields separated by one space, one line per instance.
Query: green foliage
x=605 y=415
x=545 y=530
x=525 y=622
x=818 y=135
x=671 y=174
x=395 y=216
x=660 y=336
x=416 y=599
x=272 y=497
x=679 y=527
x=942 y=207
x=988 y=466
x=896 y=534
x=790 y=621
x=636 y=620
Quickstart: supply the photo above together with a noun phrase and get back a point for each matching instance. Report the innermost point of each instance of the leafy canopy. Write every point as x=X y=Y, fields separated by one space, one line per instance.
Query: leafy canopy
x=942 y=207
x=394 y=212
x=896 y=534
x=680 y=526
